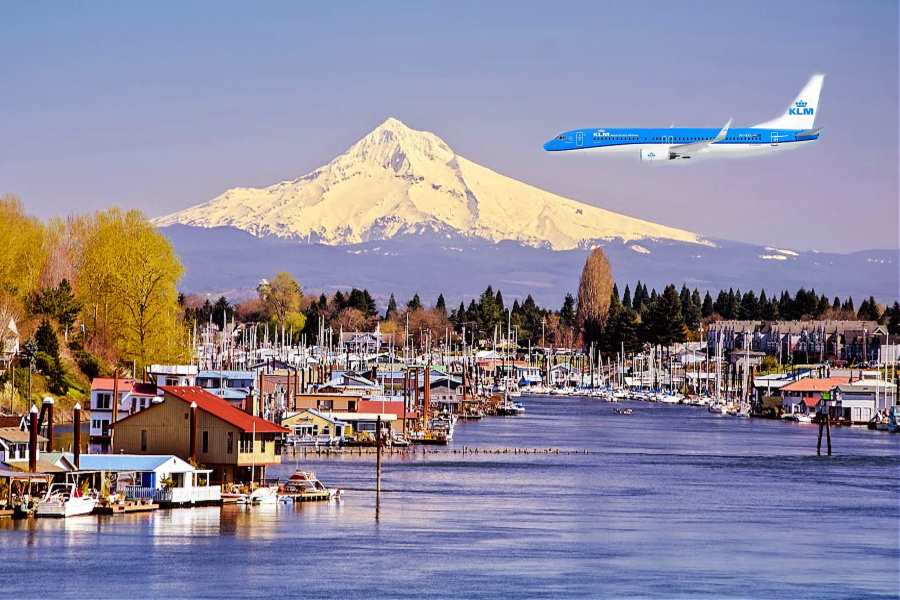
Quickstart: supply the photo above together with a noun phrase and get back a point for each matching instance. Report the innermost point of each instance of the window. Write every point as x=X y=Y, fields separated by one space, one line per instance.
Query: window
x=104 y=401
x=143 y=440
x=229 y=442
x=263 y=442
x=171 y=381
x=205 y=442
x=246 y=442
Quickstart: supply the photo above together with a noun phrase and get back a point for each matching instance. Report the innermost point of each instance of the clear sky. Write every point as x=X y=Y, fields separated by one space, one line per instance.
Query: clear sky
x=163 y=105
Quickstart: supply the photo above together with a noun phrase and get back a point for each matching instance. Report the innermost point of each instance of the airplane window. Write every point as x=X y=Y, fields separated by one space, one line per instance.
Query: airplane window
x=562 y=137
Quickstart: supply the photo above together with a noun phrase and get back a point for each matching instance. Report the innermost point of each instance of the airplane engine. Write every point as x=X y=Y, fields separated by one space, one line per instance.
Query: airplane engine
x=660 y=154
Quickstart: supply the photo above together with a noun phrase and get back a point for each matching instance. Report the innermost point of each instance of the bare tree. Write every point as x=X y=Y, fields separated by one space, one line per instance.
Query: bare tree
x=594 y=295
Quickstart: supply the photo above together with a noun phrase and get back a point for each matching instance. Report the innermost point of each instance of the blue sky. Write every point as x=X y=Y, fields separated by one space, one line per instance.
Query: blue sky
x=164 y=105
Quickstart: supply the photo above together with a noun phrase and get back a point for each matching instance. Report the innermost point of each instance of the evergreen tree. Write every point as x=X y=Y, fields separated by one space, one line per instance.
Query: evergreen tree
x=749 y=310
x=836 y=305
x=46 y=339
x=311 y=326
x=893 y=324
x=391 y=312
x=441 y=305
x=721 y=305
x=695 y=298
x=786 y=307
x=734 y=304
x=414 y=304
x=323 y=303
x=220 y=310
x=848 y=305
x=708 y=307
x=621 y=329
x=664 y=321
x=689 y=310
x=626 y=297
x=499 y=301
x=614 y=299
x=823 y=306
x=567 y=312
x=488 y=311
x=340 y=302
x=768 y=309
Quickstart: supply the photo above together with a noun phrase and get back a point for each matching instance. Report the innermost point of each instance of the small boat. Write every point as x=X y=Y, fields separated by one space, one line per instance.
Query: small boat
x=303 y=486
x=801 y=418
x=624 y=411
x=65 y=500
x=263 y=495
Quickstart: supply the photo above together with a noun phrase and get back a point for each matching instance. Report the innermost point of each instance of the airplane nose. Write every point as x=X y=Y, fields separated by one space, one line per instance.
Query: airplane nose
x=551 y=145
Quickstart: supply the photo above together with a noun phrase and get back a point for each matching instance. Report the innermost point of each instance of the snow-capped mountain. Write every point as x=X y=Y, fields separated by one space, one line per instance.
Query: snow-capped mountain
x=398 y=181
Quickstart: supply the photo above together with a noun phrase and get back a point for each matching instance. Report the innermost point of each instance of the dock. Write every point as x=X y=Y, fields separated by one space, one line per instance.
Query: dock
x=125 y=508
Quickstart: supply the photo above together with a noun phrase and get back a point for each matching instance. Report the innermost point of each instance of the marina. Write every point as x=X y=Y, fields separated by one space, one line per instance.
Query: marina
x=715 y=496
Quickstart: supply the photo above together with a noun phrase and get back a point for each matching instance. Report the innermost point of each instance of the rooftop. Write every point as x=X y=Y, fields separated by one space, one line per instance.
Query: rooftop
x=815 y=385
x=220 y=408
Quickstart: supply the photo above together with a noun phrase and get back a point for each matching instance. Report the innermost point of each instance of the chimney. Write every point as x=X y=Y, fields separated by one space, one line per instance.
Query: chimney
x=76 y=434
x=194 y=432
x=49 y=402
x=33 y=440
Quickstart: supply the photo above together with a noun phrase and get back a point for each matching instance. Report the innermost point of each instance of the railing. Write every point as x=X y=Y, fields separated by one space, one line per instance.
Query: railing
x=178 y=495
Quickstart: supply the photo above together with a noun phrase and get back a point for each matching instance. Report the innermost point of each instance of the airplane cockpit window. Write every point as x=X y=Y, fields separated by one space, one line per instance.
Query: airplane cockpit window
x=562 y=137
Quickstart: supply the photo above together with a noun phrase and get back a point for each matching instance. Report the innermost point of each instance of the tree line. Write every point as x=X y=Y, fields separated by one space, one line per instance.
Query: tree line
x=598 y=317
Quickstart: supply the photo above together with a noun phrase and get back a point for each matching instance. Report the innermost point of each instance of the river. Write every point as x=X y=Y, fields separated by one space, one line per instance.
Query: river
x=668 y=502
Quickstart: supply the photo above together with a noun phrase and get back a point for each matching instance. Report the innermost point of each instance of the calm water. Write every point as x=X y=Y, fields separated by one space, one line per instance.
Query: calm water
x=669 y=502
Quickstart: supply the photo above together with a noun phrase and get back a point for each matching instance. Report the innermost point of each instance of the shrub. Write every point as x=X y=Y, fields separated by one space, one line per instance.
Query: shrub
x=90 y=365
x=43 y=363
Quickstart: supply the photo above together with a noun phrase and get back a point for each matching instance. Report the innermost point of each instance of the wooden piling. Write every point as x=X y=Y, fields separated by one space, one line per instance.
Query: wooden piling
x=76 y=436
x=33 y=440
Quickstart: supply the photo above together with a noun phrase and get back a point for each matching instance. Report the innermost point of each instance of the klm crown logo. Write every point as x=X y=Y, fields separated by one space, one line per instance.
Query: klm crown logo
x=801 y=109
x=651 y=155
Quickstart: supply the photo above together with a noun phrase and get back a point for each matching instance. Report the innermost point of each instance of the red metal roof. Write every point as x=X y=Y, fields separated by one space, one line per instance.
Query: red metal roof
x=815 y=385
x=811 y=402
x=108 y=383
x=220 y=408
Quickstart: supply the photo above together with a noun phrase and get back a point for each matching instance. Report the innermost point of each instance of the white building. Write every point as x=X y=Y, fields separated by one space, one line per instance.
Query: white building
x=134 y=396
x=173 y=375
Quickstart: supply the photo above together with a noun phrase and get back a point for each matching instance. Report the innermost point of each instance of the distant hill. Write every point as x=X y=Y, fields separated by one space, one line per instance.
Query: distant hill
x=227 y=260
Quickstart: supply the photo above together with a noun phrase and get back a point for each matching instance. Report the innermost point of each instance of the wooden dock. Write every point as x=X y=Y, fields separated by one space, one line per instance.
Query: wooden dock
x=125 y=508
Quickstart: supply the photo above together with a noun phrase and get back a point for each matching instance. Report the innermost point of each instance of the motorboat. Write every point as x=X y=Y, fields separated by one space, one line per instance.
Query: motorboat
x=65 y=500
x=303 y=486
x=802 y=418
x=263 y=495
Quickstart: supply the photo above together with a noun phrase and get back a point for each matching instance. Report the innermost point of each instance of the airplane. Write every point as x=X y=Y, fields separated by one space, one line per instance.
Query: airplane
x=791 y=130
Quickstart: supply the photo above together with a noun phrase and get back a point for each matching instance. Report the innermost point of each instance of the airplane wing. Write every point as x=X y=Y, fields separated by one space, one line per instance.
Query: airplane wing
x=696 y=147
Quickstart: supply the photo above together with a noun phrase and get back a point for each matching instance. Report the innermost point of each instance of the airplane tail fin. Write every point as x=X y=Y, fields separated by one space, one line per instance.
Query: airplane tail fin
x=801 y=114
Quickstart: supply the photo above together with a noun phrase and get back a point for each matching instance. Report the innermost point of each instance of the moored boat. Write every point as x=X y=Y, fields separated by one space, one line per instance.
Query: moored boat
x=303 y=486
x=65 y=500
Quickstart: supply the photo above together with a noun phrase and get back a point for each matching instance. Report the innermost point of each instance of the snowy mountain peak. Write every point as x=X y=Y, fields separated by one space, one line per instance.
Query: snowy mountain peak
x=397 y=180
x=392 y=145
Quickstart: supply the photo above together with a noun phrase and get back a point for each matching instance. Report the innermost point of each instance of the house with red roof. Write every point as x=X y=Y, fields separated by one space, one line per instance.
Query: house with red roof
x=237 y=446
x=804 y=395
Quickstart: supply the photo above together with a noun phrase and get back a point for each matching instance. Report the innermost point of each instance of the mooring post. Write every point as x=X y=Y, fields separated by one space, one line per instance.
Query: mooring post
x=828 y=432
x=76 y=435
x=819 y=443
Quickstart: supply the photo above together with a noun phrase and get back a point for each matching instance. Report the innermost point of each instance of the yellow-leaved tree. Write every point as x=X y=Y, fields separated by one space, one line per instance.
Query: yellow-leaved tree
x=127 y=281
x=22 y=248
